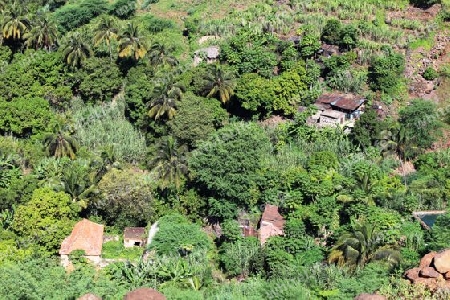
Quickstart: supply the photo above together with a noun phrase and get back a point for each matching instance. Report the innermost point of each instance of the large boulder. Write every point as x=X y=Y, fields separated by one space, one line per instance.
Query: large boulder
x=427 y=259
x=144 y=293
x=370 y=297
x=412 y=274
x=89 y=296
x=429 y=272
x=441 y=261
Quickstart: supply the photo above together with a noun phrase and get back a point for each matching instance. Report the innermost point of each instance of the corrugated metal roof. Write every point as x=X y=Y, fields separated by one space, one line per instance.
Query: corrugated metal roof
x=343 y=101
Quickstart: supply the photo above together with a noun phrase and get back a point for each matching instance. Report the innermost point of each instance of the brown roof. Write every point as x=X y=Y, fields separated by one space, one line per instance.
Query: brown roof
x=134 y=233
x=348 y=104
x=272 y=215
x=343 y=101
x=87 y=236
x=144 y=294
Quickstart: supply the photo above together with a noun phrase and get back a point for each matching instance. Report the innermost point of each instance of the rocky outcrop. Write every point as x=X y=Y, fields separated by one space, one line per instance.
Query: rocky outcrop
x=441 y=261
x=427 y=259
x=433 y=271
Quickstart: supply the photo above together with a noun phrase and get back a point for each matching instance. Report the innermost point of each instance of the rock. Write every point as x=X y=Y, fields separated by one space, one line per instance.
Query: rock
x=429 y=87
x=427 y=260
x=144 y=293
x=89 y=297
x=412 y=274
x=370 y=297
x=429 y=272
x=447 y=276
x=441 y=261
x=430 y=283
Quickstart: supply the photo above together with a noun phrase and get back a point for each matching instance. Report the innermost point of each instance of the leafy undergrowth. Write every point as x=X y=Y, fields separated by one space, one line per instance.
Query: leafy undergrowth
x=116 y=249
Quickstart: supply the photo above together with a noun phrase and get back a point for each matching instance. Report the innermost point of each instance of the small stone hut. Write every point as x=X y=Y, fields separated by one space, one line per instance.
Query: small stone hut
x=134 y=236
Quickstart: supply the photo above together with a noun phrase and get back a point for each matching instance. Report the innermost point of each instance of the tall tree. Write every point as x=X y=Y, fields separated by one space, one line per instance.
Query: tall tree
x=159 y=55
x=76 y=50
x=361 y=245
x=419 y=127
x=228 y=164
x=219 y=82
x=106 y=31
x=15 y=22
x=367 y=129
x=131 y=43
x=164 y=101
x=45 y=220
x=60 y=145
x=43 y=34
x=170 y=163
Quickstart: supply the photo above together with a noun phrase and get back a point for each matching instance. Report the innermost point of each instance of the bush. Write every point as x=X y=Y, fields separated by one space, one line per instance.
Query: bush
x=154 y=24
x=25 y=117
x=72 y=16
x=177 y=235
x=430 y=74
x=99 y=80
x=123 y=9
x=116 y=249
x=385 y=72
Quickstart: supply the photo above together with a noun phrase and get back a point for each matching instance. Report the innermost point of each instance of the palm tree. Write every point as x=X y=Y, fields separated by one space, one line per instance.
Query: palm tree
x=106 y=31
x=15 y=23
x=159 y=54
x=131 y=44
x=43 y=34
x=170 y=162
x=361 y=245
x=164 y=104
x=219 y=82
x=76 y=50
x=61 y=145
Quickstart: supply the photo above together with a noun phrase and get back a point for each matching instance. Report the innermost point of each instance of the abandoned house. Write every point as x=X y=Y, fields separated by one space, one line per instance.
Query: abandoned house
x=86 y=236
x=337 y=109
x=134 y=236
x=271 y=224
x=210 y=55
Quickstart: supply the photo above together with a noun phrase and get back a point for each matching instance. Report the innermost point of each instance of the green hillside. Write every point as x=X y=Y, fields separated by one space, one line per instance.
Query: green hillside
x=265 y=149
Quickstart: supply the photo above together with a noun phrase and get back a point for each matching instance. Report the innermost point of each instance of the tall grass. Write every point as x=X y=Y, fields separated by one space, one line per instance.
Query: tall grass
x=104 y=126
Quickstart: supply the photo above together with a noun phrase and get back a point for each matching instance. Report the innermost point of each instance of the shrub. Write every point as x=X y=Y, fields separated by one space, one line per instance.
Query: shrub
x=177 y=235
x=72 y=16
x=430 y=74
x=25 y=117
x=123 y=9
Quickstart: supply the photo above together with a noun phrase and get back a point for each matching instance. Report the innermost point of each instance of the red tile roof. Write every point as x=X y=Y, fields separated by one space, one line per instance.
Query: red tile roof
x=134 y=233
x=87 y=236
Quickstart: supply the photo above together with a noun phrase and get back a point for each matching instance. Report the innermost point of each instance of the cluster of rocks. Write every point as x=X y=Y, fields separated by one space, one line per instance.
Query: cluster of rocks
x=418 y=62
x=433 y=271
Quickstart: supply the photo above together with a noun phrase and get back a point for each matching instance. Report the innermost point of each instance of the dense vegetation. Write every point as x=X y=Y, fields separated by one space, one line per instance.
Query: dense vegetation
x=105 y=117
